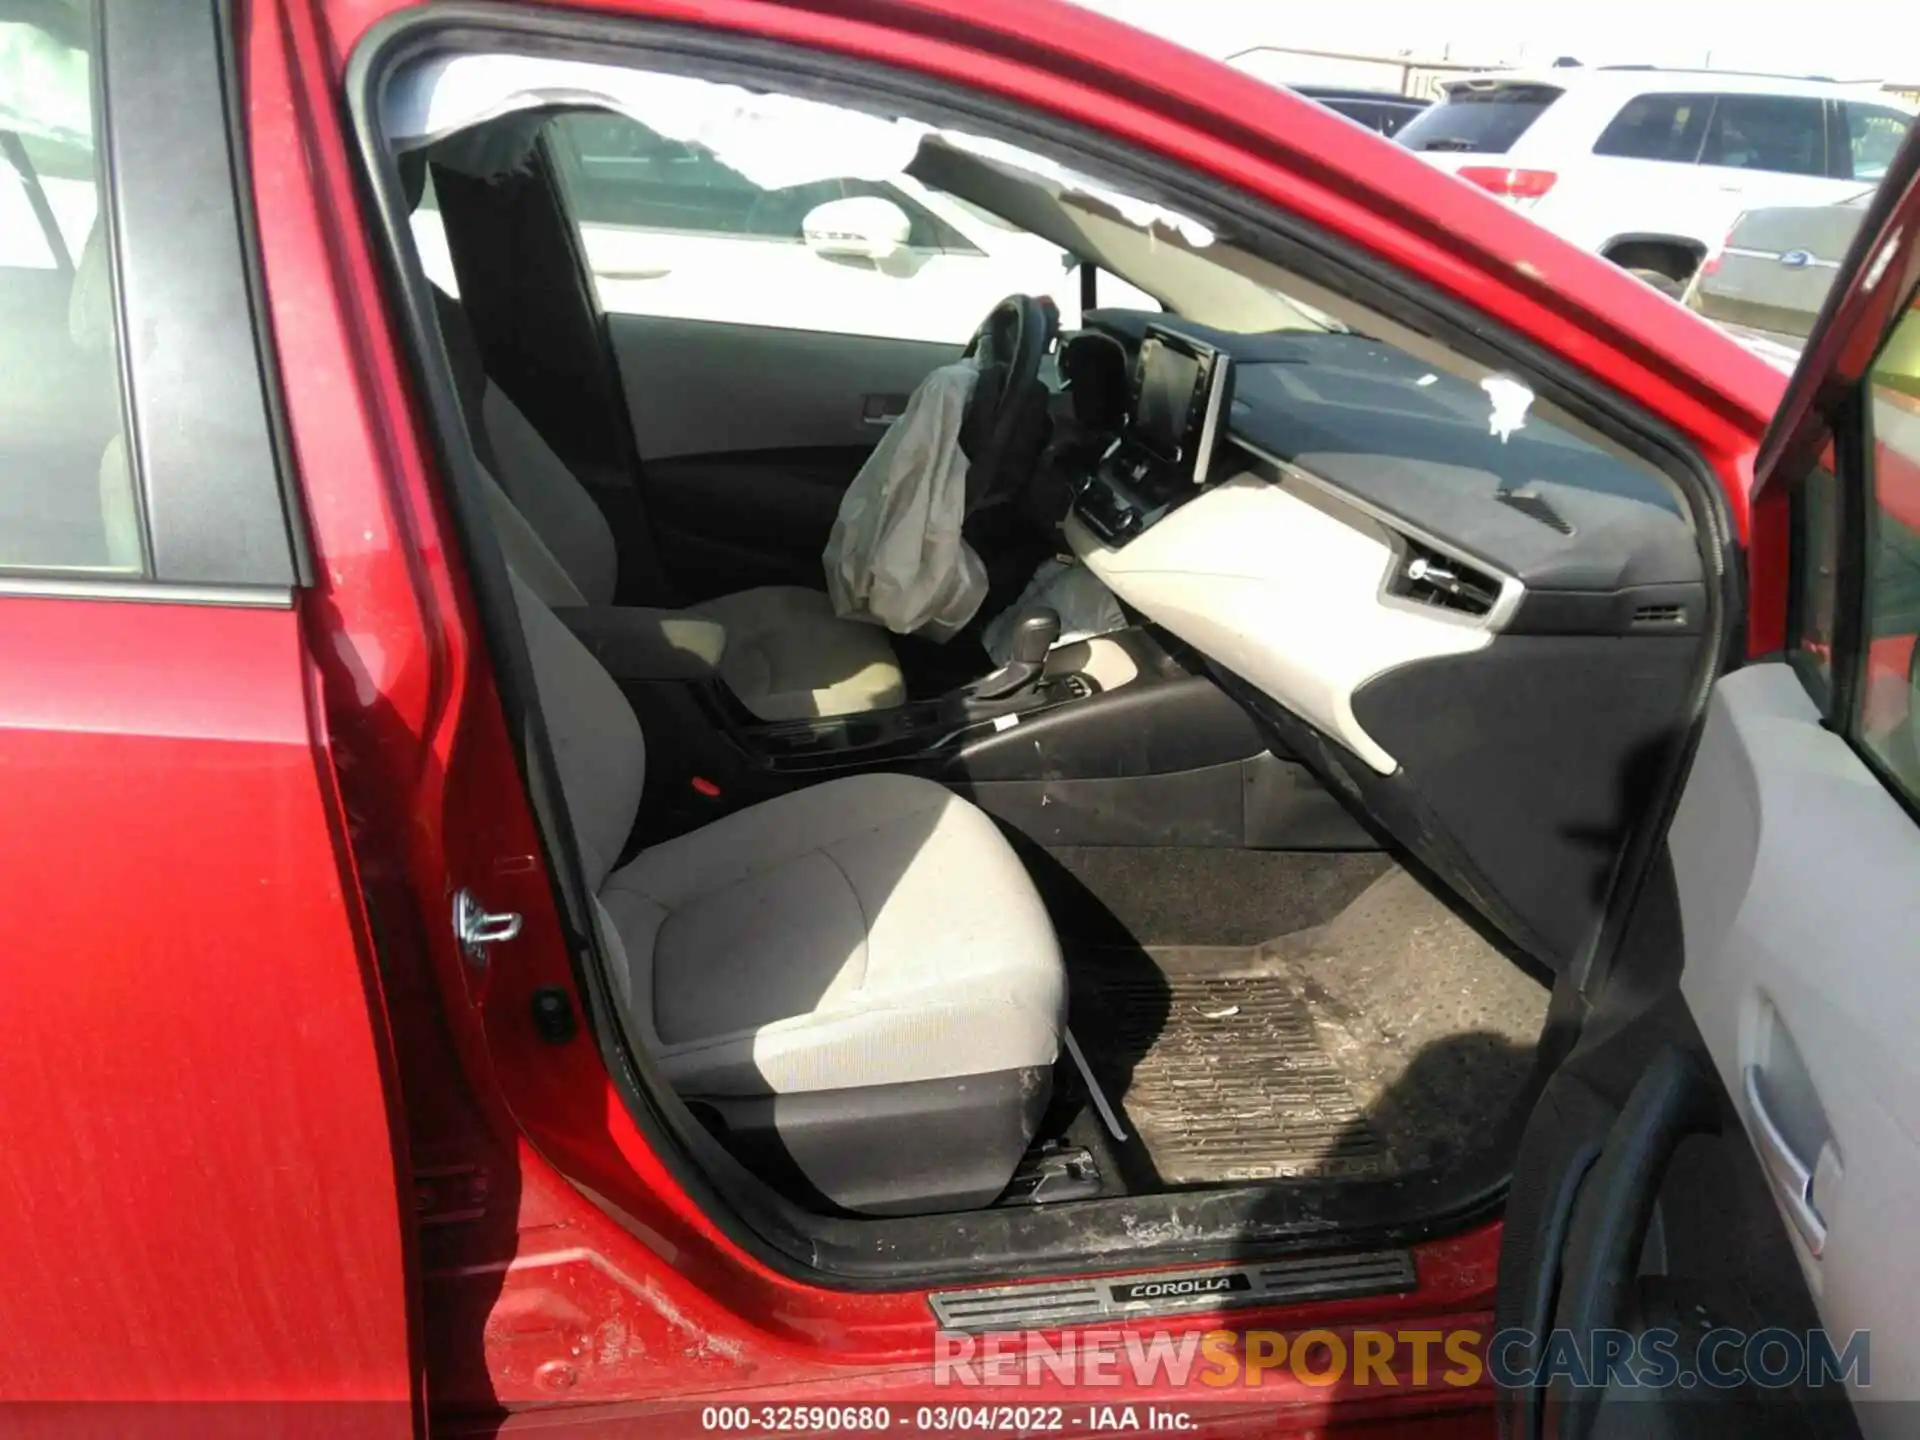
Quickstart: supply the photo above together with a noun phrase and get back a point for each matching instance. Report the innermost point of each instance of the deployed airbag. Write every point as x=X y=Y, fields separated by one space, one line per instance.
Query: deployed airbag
x=896 y=556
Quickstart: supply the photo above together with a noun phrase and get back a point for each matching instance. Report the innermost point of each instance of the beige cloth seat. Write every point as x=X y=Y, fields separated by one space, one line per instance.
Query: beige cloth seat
x=870 y=931
x=857 y=980
x=787 y=655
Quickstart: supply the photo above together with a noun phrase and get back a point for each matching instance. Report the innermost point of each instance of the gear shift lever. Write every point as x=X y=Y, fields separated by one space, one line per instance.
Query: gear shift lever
x=1033 y=636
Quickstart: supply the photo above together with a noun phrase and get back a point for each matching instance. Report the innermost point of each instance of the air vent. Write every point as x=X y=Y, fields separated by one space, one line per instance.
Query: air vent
x=1427 y=577
x=1535 y=506
x=1660 y=615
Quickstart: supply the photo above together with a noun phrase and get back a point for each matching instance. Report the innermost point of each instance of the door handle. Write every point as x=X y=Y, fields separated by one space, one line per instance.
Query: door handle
x=633 y=272
x=881 y=411
x=1791 y=1177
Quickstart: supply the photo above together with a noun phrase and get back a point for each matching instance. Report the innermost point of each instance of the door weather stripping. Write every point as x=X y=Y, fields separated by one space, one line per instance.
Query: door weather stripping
x=1173 y=1292
x=476 y=929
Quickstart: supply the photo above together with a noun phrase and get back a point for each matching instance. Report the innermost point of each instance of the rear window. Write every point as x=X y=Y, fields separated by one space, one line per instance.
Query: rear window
x=1384 y=116
x=1478 y=121
x=1658 y=127
x=1785 y=134
x=1873 y=134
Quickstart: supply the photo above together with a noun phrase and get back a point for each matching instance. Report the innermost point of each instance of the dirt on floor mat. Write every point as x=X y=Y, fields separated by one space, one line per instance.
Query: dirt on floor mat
x=1230 y=1081
x=1380 y=1043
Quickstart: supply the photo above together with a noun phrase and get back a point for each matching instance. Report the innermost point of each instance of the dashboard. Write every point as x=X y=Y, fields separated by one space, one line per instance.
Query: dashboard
x=1482 y=621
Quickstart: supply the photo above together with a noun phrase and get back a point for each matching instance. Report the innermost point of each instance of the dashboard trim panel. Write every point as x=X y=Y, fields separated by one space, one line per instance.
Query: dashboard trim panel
x=1512 y=589
x=1281 y=584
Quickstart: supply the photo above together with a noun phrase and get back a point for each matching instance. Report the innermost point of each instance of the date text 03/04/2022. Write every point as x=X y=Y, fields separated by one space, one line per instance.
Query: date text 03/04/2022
x=978 y=1419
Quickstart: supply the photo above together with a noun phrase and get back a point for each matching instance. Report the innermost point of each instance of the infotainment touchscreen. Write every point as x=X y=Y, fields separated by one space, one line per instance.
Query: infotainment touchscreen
x=1168 y=382
x=1179 y=394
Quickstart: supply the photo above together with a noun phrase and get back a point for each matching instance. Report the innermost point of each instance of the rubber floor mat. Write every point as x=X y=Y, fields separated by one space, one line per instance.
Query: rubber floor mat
x=1221 y=1075
x=1391 y=1039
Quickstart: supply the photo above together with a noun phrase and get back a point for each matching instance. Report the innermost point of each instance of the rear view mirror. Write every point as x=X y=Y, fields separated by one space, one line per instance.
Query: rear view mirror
x=860 y=227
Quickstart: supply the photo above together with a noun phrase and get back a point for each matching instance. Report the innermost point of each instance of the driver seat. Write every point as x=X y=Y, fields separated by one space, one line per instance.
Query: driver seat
x=787 y=656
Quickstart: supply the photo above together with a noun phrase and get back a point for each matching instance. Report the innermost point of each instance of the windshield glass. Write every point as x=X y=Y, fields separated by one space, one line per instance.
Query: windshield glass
x=1483 y=122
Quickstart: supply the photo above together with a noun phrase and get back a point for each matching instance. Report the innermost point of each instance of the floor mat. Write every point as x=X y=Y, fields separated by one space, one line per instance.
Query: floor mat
x=1231 y=1082
x=1170 y=896
x=1381 y=1042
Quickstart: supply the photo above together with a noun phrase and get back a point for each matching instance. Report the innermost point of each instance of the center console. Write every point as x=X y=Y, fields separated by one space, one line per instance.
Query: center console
x=1181 y=389
x=918 y=730
x=1119 y=742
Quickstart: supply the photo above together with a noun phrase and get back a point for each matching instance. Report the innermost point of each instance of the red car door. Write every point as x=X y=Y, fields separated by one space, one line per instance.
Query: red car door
x=1799 y=946
x=205 y=1217
x=1791 y=927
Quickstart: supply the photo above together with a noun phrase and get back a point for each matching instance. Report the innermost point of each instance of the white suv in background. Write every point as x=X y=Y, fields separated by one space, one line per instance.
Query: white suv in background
x=1651 y=167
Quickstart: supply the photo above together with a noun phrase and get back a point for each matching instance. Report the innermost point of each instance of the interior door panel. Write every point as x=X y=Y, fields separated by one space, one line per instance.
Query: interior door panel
x=700 y=388
x=1795 y=869
x=749 y=436
x=1793 y=852
x=734 y=520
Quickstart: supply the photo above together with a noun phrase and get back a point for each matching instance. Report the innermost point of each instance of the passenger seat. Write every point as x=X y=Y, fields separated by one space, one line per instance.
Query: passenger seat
x=787 y=655
x=856 y=983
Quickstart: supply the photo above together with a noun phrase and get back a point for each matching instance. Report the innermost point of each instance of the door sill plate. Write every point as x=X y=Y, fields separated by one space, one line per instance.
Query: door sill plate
x=1173 y=1292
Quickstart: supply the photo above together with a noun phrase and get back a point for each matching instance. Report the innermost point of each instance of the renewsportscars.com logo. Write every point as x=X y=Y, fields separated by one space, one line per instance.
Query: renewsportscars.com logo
x=1719 y=1359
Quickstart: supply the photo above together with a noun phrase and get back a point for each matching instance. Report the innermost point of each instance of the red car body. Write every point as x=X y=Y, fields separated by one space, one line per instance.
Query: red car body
x=269 y=1139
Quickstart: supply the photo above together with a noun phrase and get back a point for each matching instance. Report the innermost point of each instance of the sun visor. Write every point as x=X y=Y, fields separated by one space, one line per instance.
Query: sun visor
x=482 y=114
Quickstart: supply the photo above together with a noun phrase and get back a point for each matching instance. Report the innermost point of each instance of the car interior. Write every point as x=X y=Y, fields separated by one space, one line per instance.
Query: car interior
x=1311 y=663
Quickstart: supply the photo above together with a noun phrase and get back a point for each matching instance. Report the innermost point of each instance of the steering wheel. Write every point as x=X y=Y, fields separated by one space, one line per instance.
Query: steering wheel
x=1005 y=427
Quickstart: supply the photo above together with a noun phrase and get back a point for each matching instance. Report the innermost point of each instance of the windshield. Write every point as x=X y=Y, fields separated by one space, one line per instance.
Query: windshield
x=1480 y=121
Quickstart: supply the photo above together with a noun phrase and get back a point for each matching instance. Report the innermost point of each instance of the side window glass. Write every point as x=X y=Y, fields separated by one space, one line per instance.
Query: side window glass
x=624 y=174
x=672 y=230
x=1782 y=134
x=1874 y=132
x=782 y=214
x=67 y=500
x=1887 y=704
x=627 y=175
x=1657 y=127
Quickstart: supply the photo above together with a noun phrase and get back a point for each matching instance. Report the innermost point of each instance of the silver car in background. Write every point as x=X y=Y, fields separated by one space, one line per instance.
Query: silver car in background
x=1771 y=276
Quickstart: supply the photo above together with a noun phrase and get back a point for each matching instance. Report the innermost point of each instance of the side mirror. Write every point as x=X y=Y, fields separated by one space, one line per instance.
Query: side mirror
x=860 y=227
